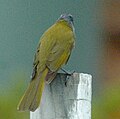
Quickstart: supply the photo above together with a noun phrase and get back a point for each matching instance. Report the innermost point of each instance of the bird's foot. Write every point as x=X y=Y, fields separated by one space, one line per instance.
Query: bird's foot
x=69 y=74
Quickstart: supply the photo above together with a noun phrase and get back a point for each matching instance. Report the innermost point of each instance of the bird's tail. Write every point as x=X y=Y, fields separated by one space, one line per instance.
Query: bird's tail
x=31 y=99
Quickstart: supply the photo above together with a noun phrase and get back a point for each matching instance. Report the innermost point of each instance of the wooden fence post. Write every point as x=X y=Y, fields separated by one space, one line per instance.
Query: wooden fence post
x=70 y=101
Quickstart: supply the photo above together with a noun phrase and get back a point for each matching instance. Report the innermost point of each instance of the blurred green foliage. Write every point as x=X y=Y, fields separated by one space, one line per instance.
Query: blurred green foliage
x=107 y=104
x=10 y=98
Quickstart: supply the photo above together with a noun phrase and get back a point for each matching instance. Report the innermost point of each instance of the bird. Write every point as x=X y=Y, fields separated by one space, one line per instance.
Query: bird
x=53 y=51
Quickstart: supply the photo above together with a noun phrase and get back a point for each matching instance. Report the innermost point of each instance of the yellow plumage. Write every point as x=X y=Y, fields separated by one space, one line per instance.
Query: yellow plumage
x=53 y=51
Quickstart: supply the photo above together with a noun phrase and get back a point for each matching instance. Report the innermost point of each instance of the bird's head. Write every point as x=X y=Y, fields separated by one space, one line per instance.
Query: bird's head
x=68 y=18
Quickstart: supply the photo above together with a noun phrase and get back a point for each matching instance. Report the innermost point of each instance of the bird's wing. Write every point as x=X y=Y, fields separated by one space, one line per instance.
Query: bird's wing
x=43 y=50
x=59 y=55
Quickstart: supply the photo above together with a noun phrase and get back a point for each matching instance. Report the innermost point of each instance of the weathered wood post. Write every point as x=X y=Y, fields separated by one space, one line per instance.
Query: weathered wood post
x=72 y=101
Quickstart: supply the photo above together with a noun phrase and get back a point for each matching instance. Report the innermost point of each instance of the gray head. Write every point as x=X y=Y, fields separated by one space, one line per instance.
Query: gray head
x=68 y=18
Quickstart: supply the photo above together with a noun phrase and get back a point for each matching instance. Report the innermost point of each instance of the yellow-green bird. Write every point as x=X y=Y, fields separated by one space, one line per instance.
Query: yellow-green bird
x=52 y=53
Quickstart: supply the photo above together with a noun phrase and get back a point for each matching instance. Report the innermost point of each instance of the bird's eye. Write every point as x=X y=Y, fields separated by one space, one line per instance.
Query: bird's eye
x=71 y=18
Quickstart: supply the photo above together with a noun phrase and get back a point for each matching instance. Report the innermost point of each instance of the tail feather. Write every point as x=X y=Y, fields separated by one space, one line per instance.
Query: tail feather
x=31 y=99
x=35 y=103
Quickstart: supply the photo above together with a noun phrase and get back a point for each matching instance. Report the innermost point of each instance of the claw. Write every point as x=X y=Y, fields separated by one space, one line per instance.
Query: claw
x=69 y=74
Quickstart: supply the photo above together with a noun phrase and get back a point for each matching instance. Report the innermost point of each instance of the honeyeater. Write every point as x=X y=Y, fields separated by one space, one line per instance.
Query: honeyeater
x=52 y=53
